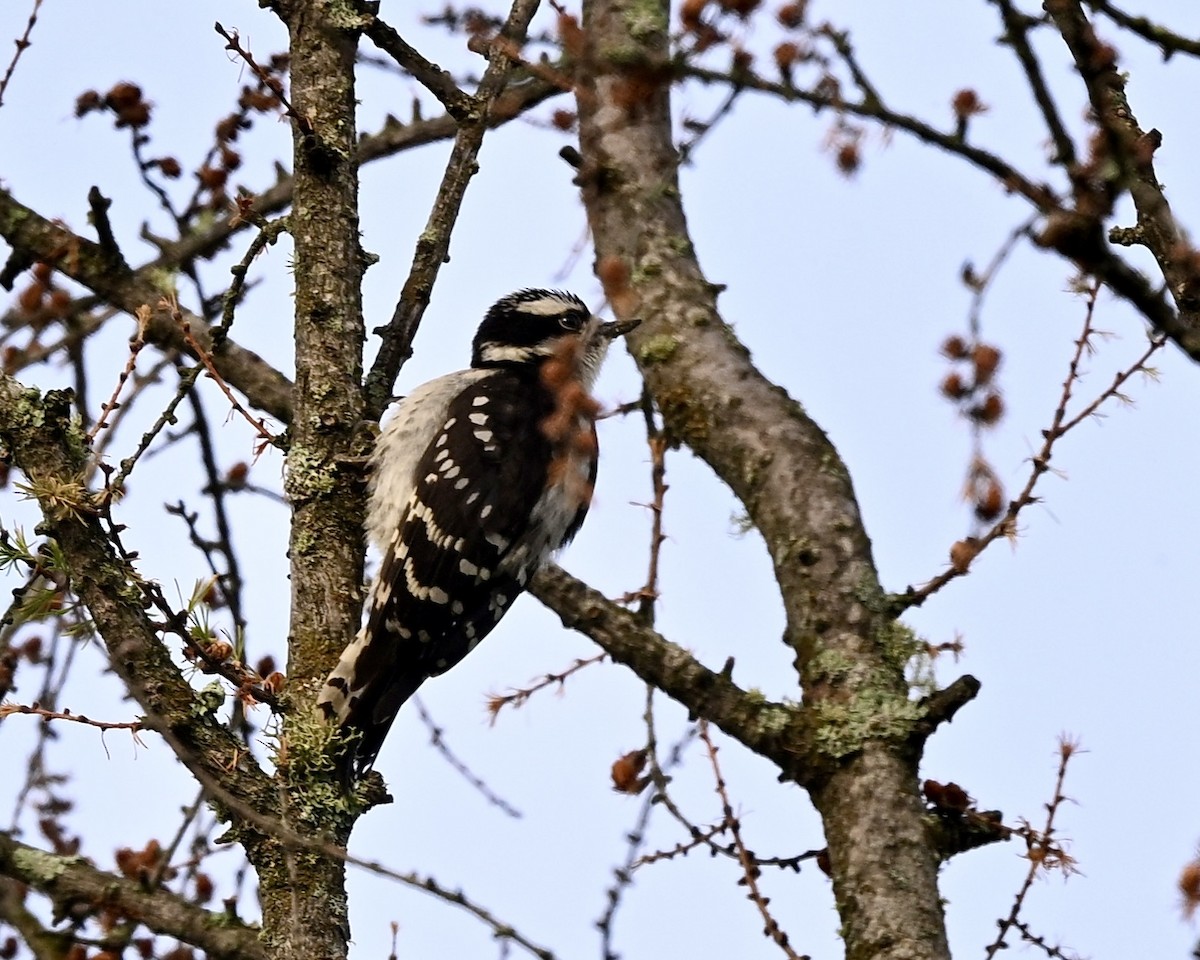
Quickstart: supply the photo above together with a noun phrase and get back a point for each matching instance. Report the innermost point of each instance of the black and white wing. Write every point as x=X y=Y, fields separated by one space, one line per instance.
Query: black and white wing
x=480 y=517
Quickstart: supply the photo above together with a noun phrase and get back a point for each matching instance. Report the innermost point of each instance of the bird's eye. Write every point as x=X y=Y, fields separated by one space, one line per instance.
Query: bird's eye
x=571 y=321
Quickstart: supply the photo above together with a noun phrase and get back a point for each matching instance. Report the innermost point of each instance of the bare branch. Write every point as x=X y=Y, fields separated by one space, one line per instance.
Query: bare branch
x=432 y=77
x=71 y=880
x=775 y=730
x=50 y=451
x=22 y=44
x=87 y=263
x=434 y=243
x=750 y=870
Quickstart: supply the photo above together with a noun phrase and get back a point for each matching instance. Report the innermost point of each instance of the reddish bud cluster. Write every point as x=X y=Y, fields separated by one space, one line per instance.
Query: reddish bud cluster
x=570 y=35
x=142 y=865
x=947 y=796
x=614 y=275
x=703 y=33
x=42 y=301
x=124 y=99
x=973 y=388
x=627 y=773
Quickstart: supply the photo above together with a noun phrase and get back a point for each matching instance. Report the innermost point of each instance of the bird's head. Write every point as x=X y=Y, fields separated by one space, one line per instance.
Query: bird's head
x=530 y=326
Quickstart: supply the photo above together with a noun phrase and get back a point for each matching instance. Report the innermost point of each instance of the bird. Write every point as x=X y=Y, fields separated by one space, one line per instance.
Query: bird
x=475 y=481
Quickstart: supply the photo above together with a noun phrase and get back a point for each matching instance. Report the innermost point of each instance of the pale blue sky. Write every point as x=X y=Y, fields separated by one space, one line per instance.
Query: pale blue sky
x=843 y=291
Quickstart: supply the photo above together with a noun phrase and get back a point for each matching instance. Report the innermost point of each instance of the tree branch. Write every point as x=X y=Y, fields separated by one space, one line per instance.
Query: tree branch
x=87 y=263
x=50 y=451
x=849 y=655
x=433 y=247
x=1133 y=149
x=70 y=882
x=777 y=731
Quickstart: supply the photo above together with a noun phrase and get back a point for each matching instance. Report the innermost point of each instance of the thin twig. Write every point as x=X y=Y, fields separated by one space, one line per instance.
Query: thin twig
x=516 y=698
x=1041 y=850
x=1167 y=40
x=438 y=741
x=135 y=347
x=1016 y=35
x=22 y=44
x=434 y=243
x=965 y=551
x=259 y=424
x=751 y=871
x=656 y=439
x=271 y=82
x=34 y=710
x=432 y=77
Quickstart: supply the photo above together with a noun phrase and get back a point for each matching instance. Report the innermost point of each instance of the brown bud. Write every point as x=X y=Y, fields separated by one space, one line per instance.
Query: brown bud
x=275 y=682
x=235 y=478
x=170 y=167
x=849 y=159
x=962 y=553
x=30 y=300
x=1189 y=887
x=626 y=772
x=563 y=120
x=990 y=411
x=791 y=15
x=954 y=348
x=955 y=797
x=60 y=303
x=87 y=102
x=123 y=95
x=985 y=359
x=265 y=666
x=204 y=888
x=990 y=503
x=212 y=178
x=966 y=104
x=953 y=387
x=135 y=115
x=690 y=12
x=786 y=54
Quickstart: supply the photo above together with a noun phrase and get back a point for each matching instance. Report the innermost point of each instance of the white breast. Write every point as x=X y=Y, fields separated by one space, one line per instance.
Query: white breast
x=415 y=422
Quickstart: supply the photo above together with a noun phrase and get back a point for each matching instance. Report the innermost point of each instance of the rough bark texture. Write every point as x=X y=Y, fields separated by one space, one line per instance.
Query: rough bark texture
x=303 y=892
x=849 y=655
x=69 y=881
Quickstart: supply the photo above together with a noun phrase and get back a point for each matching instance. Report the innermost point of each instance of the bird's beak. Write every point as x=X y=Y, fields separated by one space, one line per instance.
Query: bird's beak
x=618 y=328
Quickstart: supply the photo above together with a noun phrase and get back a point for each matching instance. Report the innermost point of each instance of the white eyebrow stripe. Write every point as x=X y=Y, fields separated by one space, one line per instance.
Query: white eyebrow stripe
x=499 y=353
x=547 y=306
